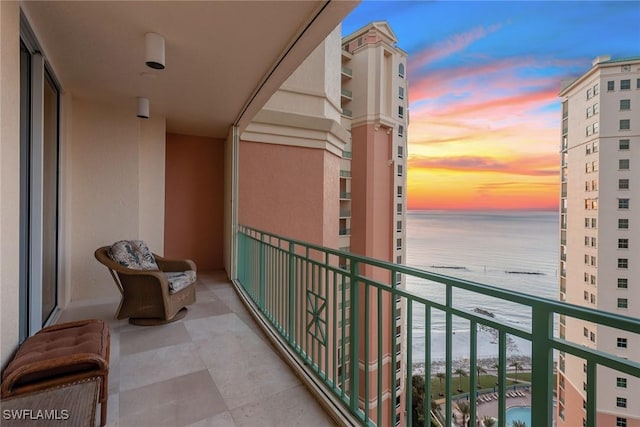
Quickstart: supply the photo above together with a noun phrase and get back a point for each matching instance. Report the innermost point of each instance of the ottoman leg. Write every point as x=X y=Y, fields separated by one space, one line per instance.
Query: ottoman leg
x=104 y=396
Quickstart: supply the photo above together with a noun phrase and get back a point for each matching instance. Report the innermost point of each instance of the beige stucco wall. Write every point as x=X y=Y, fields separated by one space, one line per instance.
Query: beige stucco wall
x=289 y=156
x=313 y=88
x=9 y=176
x=115 y=191
x=151 y=162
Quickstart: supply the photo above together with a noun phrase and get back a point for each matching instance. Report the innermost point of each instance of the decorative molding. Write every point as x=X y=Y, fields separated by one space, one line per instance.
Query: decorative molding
x=315 y=94
x=284 y=128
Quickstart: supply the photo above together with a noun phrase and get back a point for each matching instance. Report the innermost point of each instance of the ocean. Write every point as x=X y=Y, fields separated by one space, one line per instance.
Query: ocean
x=481 y=246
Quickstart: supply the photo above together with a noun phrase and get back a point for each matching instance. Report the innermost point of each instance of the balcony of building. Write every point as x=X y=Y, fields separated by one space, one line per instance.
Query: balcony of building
x=217 y=365
x=347 y=73
x=346 y=95
x=214 y=367
x=299 y=297
x=231 y=373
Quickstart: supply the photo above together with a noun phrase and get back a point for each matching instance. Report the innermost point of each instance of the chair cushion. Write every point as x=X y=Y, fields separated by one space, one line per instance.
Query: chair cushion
x=133 y=254
x=178 y=280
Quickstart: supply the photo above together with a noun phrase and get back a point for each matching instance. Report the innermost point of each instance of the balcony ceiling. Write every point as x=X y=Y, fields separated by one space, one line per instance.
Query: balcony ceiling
x=224 y=59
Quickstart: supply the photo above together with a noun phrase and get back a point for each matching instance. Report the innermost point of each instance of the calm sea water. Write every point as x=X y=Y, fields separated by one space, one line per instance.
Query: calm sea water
x=482 y=247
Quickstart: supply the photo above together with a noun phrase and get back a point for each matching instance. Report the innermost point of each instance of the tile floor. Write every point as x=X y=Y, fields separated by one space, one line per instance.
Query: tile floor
x=214 y=368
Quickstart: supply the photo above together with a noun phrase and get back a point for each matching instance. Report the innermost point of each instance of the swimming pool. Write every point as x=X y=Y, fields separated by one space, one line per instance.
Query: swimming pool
x=522 y=413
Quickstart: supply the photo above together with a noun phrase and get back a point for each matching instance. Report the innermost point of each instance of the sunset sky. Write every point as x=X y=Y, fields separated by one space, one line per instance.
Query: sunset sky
x=484 y=79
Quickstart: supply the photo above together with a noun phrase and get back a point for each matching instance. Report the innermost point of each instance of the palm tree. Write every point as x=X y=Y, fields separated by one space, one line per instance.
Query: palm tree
x=488 y=421
x=518 y=423
x=417 y=405
x=460 y=373
x=441 y=376
x=417 y=384
x=497 y=368
x=465 y=410
x=516 y=365
x=480 y=370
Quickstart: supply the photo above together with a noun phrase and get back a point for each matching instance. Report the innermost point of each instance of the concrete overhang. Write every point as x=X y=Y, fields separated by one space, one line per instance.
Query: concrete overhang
x=224 y=59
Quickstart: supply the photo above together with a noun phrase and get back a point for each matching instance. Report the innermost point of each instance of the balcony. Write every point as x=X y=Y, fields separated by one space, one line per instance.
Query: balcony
x=346 y=72
x=345 y=195
x=347 y=113
x=346 y=94
x=298 y=295
x=234 y=377
x=214 y=367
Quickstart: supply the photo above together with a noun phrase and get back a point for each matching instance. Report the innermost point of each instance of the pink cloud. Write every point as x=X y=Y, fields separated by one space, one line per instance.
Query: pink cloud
x=457 y=43
x=529 y=165
x=512 y=103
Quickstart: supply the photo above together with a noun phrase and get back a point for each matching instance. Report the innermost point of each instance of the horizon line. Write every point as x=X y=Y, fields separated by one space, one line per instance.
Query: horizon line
x=485 y=209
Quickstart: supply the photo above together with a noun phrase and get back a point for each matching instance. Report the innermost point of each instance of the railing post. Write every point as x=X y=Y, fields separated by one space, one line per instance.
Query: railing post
x=354 y=342
x=261 y=282
x=241 y=258
x=541 y=366
x=448 y=356
x=592 y=415
x=409 y=384
x=290 y=291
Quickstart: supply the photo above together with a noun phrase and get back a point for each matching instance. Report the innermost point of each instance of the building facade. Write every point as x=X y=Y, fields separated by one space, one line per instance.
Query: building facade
x=345 y=107
x=375 y=108
x=600 y=236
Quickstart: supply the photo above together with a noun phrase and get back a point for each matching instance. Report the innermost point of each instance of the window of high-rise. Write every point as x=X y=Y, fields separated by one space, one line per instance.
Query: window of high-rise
x=625 y=104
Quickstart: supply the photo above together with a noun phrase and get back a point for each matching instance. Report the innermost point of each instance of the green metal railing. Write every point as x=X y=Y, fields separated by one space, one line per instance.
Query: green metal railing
x=339 y=313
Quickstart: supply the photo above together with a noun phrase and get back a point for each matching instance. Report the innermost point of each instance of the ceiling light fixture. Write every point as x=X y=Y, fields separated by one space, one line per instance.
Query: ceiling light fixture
x=143 y=108
x=154 y=51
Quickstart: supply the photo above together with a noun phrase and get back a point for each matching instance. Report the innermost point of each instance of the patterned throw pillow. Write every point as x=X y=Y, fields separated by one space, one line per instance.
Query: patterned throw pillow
x=133 y=254
x=178 y=280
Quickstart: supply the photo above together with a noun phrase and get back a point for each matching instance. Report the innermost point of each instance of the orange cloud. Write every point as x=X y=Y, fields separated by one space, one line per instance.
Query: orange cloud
x=540 y=165
x=483 y=136
x=442 y=189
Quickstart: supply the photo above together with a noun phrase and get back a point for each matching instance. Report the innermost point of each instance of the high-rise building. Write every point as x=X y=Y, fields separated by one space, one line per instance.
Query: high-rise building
x=374 y=99
x=600 y=234
x=339 y=125
x=375 y=110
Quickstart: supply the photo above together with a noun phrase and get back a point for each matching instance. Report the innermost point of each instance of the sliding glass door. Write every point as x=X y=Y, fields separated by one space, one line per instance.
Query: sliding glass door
x=39 y=187
x=50 y=150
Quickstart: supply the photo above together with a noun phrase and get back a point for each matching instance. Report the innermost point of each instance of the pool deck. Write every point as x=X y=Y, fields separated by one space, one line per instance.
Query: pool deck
x=488 y=404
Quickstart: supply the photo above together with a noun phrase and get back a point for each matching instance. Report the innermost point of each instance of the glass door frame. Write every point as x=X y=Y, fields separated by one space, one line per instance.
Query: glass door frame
x=32 y=186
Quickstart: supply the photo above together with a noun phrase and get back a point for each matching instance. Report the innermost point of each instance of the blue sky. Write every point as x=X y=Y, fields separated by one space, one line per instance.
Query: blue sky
x=483 y=84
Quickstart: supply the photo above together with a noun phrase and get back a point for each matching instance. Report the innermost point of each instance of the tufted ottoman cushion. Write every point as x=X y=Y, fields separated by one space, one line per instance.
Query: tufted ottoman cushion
x=58 y=355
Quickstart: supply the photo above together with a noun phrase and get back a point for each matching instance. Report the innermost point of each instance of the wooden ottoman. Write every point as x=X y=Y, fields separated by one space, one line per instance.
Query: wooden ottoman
x=59 y=355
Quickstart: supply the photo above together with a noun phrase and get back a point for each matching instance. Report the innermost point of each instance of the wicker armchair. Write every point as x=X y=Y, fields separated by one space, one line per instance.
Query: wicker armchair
x=152 y=294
